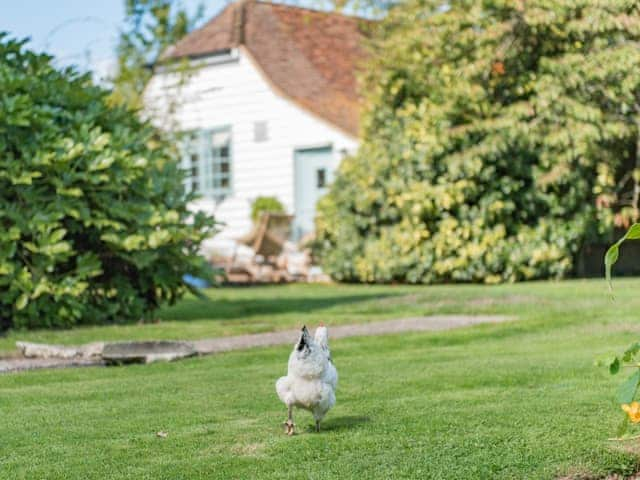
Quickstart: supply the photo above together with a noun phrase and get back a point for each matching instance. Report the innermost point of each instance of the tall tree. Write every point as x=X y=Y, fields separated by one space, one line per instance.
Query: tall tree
x=151 y=26
x=497 y=136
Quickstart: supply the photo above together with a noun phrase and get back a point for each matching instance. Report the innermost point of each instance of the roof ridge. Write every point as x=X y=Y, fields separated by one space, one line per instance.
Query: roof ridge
x=313 y=63
x=239 y=16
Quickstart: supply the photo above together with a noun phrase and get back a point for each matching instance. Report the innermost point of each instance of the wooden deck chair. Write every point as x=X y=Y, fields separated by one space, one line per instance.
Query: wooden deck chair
x=266 y=239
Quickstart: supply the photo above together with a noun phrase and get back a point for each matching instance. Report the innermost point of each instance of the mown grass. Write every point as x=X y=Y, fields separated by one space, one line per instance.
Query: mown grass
x=232 y=311
x=516 y=400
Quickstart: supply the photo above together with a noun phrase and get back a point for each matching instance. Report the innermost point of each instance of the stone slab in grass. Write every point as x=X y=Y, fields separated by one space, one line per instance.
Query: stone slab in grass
x=146 y=352
x=64 y=352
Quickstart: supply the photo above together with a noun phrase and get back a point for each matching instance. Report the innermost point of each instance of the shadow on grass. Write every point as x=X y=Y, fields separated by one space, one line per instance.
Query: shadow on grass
x=349 y=422
x=225 y=309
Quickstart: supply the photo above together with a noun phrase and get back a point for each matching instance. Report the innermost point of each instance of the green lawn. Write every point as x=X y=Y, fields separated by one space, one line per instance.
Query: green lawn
x=233 y=311
x=517 y=400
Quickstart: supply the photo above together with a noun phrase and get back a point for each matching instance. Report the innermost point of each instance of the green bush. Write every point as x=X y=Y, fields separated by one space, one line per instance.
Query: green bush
x=265 y=204
x=493 y=146
x=94 y=224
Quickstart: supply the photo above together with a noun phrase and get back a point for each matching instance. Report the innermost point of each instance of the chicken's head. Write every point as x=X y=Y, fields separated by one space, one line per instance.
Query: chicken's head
x=305 y=344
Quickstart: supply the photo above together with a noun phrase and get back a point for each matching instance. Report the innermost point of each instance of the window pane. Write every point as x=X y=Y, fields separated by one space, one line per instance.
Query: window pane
x=321 y=178
x=221 y=161
x=212 y=173
x=221 y=137
x=191 y=161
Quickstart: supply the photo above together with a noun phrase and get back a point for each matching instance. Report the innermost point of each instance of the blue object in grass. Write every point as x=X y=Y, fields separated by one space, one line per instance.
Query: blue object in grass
x=195 y=281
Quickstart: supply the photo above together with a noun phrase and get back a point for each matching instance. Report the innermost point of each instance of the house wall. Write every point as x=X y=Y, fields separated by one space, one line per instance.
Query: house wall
x=235 y=93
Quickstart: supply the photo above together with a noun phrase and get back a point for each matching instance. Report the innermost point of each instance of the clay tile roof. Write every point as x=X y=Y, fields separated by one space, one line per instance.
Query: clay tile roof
x=311 y=57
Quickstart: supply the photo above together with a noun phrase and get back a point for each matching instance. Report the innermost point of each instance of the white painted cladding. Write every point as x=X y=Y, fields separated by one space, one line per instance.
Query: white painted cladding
x=235 y=93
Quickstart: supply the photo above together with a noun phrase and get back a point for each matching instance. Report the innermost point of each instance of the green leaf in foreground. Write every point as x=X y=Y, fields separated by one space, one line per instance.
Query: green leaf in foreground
x=634 y=232
x=628 y=389
x=609 y=259
x=631 y=352
x=614 y=366
x=612 y=254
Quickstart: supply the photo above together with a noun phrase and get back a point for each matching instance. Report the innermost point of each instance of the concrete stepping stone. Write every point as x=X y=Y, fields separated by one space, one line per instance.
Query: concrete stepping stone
x=146 y=352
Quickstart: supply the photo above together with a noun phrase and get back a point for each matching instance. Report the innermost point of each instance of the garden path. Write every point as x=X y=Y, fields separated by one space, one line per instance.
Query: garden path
x=210 y=346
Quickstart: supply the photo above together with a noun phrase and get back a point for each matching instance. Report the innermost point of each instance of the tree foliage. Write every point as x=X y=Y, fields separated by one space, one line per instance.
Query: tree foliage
x=93 y=220
x=497 y=137
x=365 y=8
x=151 y=27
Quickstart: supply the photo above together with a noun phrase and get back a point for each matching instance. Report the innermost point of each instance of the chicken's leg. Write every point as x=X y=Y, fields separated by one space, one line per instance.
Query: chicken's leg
x=318 y=426
x=289 y=426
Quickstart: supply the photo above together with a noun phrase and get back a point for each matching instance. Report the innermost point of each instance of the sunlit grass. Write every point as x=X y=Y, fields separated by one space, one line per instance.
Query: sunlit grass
x=233 y=311
x=516 y=400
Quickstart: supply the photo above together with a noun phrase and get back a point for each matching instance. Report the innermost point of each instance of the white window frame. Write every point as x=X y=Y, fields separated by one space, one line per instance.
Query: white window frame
x=198 y=144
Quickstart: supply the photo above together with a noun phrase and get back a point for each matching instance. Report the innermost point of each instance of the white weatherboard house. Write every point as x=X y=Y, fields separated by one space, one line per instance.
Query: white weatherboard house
x=270 y=110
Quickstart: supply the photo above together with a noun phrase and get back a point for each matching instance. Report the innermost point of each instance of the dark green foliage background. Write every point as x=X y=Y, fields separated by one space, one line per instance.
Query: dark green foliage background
x=498 y=137
x=93 y=221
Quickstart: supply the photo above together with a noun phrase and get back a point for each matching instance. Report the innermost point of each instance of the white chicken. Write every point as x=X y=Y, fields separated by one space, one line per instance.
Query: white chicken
x=311 y=379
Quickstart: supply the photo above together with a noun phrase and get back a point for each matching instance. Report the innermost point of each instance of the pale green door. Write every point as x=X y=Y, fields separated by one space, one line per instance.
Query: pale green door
x=314 y=169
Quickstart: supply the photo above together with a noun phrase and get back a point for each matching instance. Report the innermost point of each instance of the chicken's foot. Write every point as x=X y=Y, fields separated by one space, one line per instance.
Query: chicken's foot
x=289 y=426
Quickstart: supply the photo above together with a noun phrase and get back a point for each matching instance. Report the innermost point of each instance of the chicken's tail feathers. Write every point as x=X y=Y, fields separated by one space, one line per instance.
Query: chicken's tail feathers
x=322 y=336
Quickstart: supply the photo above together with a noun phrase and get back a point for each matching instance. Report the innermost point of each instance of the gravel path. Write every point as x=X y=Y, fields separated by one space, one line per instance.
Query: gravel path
x=413 y=324
x=18 y=364
x=224 y=344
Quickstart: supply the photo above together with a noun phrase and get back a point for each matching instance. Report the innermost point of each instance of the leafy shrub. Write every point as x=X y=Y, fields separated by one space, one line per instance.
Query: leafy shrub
x=493 y=147
x=93 y=221
x=265 y=204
